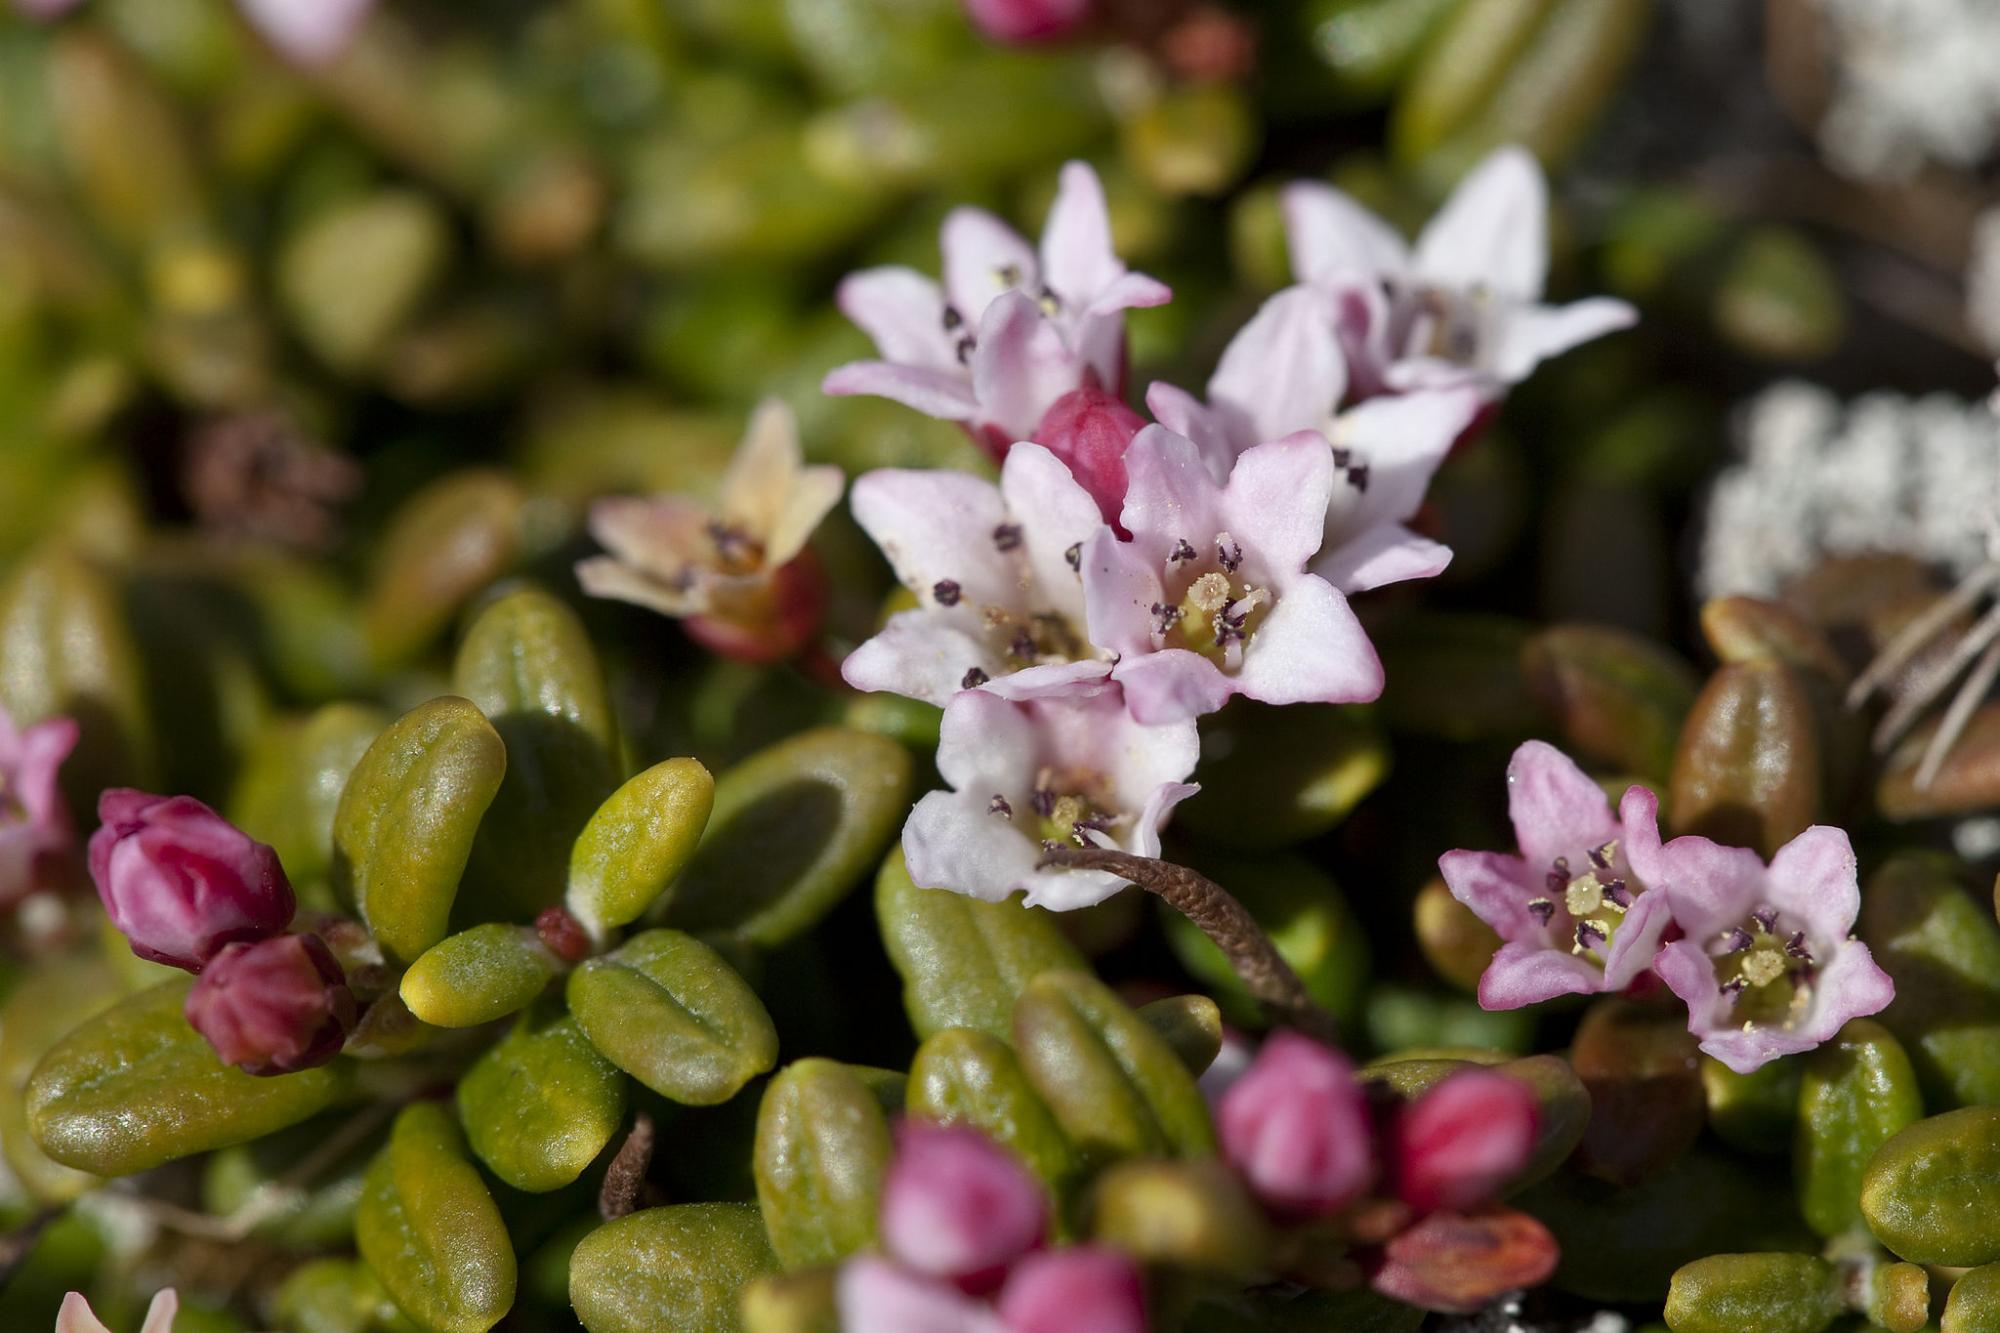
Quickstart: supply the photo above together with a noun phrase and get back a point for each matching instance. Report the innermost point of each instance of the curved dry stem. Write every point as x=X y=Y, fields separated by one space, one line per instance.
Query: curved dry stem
x=1215 y=910
x=625 y=1177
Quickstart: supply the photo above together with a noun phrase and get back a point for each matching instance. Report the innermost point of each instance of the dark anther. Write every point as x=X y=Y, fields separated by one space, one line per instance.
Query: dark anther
x=1051 y=845
x=964 y=349
x=1044 y=802
x=952 y=319
x=1182 y=552
x=1073 y=557
x=1007 y=537
x=1795 y=947
x=999 y=806
x=1558 y=877
x=1010 y=275
x=1165 y=617
x=1542 y=909
x=1342 y=457
x=1737 y=940
x=1022 y=646
x=1616 y=891
x=1766 y=919
x=1733 y=987
x=1229 y=555
x=1588 y=936
x=973 y=679
x=946 y=592
x=1600 y=857
x=1357 y=476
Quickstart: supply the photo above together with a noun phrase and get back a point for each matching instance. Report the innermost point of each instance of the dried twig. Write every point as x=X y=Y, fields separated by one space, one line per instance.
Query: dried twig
x=1211 y=907
x=626 y=1176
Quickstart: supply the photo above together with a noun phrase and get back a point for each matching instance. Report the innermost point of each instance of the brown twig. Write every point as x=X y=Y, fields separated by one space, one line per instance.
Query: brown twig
x=626 y=1176
x=1211 y=907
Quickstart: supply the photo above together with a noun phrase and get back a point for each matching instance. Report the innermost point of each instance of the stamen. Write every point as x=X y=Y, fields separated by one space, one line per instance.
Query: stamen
x=1795 y=947
x=1357 y=477
x=1342 y=458
x=1762 y=967
x=1542 y=909
x=1736 y=940
x=1766 y=919
x=1617 y=893
x=1073 y=557
x=973 y=679
x=1009 y=275
x=945 y=592
x=1165 y=617
x=1227 y=553
x=1584 y=895
x=964 y=349
x=1182 y=552
x=953 y=321
x=1558 y=876
x=1044 y=801
x=1733 y=988
x=1601 y=857
x=1050 y=303
x=1589 y=935
x=1022 y=646
x=1007 y=537
x=1209 y=594
x=1000 y=806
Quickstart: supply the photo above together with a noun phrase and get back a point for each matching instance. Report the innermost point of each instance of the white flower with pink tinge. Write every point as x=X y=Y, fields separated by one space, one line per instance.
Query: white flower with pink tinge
x=1464 y=303
x=35 y=829
x=1025 y=776
x=76 y=1315
x=1766 y=966
x=996 y=571
x=1010 y=330
x=1211 y=598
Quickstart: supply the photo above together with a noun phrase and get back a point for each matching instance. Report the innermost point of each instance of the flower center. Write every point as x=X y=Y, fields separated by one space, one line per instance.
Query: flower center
x=1218 y=609
x=1019 y=638
x=1450 y=325
x=1765 y=969
x=1064 y=808
x=737 y=551
x=1588 y=907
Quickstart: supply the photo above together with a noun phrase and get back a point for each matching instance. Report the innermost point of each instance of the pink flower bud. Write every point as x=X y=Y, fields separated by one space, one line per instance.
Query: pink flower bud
x=1296 y=1126
x=957 y=1206
x=1088 y=429
x=273 y=1007
x=1456 y=1145
x=1027 y=20
x=180 y=880
x=1082 y=1287
x=36 y=843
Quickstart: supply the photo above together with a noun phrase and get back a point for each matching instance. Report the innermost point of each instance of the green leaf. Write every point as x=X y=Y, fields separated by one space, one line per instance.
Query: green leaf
x=337 y=1296
x=1932 y=1193
x=1283 y=775
x=313 y=1218
x=1943 y=949
x=1116 y=1087
x=1858 y=1091
x=669 y=1270
x=44 y=1006
x=962 y=1076
x=430 y=1231
x=478 y=975
x=136 y=1086
x=446 y=543
x=1755 y=1293
x=541 y=1103
x=822 y=1148
x=289 y=790
x=527 y=664
x=794 y=827
x=666 y=1009
x=637 y=843
x=963 y=962
x=1191 y=1024
x=407 y=819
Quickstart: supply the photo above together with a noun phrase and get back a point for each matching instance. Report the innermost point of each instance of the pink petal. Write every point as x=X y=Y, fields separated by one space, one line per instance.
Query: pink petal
x=1275 y=504
x=1497 y=888
x=1378 y=556
x=1690 y=974
x=1131 y=291
x=944 y=394
x=876 y=1295
x=1077 y=259
x=1533 y=334
x=1184 y=414
x=1056 y=515
x=1120 y=586
x=981 y=255
x=1712 y=887
x=1077 y=1289
x=1296 y=1126
x=1556 y=809
x=309 y=32
x=1049 y=680
x=1331 y=236
x=1851 y=985
x=1310 y=648
x=1461 y=1141
x=1171 y=686
x=1637 y=942
x=937 y=527
x=988 y=745
x=957 y=1206
x=1169 y=495
x=1021 y=365
x=903 y=311
x=1282 y=372
x=1814 y=880
x=1159 y=808
x=1524 y=973
x=1403 y=441
x=1494 y=230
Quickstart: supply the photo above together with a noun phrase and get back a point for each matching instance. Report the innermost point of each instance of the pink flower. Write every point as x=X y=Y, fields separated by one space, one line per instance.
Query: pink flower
x=35 y=833
x=1575 y=918
x=1073 y=768
x=1459 y=1143
x=874 y=1294
x=307 y=32
x=739 y=572
x=1766 y=966
x=1211 y=596
x=1088 y=430
x=1465 y=303
x=1026 y=21
x=1078 y=1289
x=997 y=576
x=1009 y=332
x=958 y=1207
x=76 y=1316
x=180 y=880
x=273 y=1007
x=1295 y=1125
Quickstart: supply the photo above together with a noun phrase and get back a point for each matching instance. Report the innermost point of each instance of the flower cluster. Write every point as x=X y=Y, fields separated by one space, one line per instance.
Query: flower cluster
x=1593 y=902
x=189 y=889
x=963 y=1227
x=1125 y=578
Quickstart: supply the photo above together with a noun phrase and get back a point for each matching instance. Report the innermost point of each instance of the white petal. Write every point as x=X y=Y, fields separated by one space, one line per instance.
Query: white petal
x=1384 y=554
x=1120 y=586
x=1310 y=649
x=1021 y=365
x=1169 y=495
x=988 y=745
x=1184 y=414
x=1530 y=335
x=1077 y=259
x=1159 y=808
x=922 y=655
x=981 y=255
x=1403 y=441
x=308 y=32
x=1494 y=230
x=1282 y=372
x=1275 y=504
x=1332 y=236
x=953 y=840
x=1171 y=685
x=1056 y=515
x=1050 y=680
x=946 y=395
x=936 y=525
x=903 y=311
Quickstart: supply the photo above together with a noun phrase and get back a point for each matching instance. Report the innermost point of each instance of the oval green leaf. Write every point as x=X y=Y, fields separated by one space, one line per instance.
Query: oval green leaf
x=822 y=1147
x=1932 y=1193
x=478 y=975
x=541 y=1104
x=431 y=1232
x=669 y=1270
x=637 y=843
x=1858 y=1092
x=962 y=1076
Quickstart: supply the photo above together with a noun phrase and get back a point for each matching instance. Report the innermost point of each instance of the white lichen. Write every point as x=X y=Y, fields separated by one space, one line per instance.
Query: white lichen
x=1914 y=82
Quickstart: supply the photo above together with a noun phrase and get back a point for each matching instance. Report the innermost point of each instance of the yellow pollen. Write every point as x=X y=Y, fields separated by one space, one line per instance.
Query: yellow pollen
x=1762 y=967
x=1584 y=895
x=1209 y=593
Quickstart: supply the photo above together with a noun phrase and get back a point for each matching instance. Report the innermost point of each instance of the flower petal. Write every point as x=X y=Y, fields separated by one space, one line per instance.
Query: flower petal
x=1530 y=335
x=602 y=576
x=938 y=525
x=1494 y=230
x=1497 y=887
x=983 y=257
x=1712 y=887
x=1120 y=587
x=1637 y=942
x=307 y=32
x=1050 y=680
x=946 y=395
x=1184 y=414
x=1523 y=973
x=1282 y=372
x=1275 y=504
x=1153 y=815
x=1169 y=495
x=1331 y=236
x=903 y=311
x=1402 y=442
x=1057 y=515
x=925 y=655
x=874 y=1294
x=1171 y=686
x=988 y=746
x=1556 y=808
x=1851 y=985
x=1814 y=879
x=1378 y=556
x=1021 y=365
x=1310 y=649
x=953 y=841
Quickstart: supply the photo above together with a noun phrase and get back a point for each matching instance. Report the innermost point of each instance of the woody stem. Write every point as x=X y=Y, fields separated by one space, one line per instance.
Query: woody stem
x=1214 y=909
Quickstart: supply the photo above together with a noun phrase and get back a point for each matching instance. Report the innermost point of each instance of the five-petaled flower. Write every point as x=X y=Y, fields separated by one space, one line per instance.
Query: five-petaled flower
x=1464 y=303
x=1069 y=769
x=997 y=574
x=35 y=832
x=1211 y=597
x=1009 y=331
x=1574 y=916
x=739 y=574
x=1765 y=964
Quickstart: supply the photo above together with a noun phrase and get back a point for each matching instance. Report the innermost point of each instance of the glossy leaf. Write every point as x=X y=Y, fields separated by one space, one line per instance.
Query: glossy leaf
x=822 y=1148
x=669 y=1270
x=478 y=975
x=636 y=844
x=541 y=1104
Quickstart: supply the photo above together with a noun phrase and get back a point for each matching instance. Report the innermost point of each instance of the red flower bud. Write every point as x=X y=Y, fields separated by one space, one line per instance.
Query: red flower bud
x=1296 y=1126
x=1079 y=1287
x=1456 y=1145
x=273 y=1007
x=1027 y=20
x=1457 y=1264
x=1088 y=429
x=957 y=1206
x=180 y=880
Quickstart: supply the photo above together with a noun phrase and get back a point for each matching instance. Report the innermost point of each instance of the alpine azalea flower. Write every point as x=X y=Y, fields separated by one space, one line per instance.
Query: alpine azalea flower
x=1010 y=331
x=875 y=1294
x=1076 y=1289
x=1765 y=965
x=76 y=1316
x=1211 y=596
x=35 y=832
x=1574 y=917
x=1028 y=21
x=273 y=1007
x=997 y=574
x=957 y=1206
x=1296 y=1126
x=738 y=574
x=1025 y=775
x=1465 y=303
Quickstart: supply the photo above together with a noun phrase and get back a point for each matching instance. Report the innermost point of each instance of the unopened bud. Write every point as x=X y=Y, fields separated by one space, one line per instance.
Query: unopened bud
x=1296 y=1125
x=1088 y=428
x=273 y=1007
x=957 y=1206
